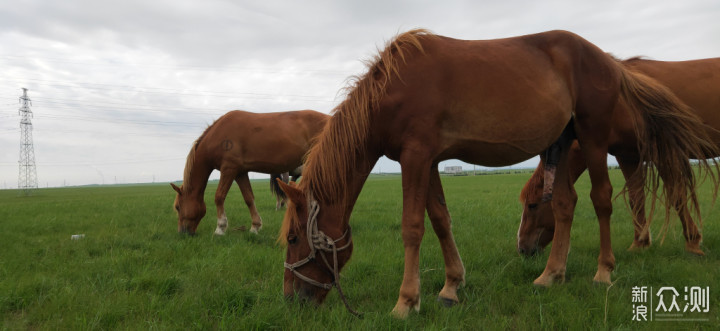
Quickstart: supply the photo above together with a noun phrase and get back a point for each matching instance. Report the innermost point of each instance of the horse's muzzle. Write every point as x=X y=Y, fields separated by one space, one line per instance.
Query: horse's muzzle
x=528 y=251
x=186 y=231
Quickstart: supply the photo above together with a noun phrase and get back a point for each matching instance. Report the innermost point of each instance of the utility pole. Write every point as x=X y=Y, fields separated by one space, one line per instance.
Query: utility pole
x=27 y=181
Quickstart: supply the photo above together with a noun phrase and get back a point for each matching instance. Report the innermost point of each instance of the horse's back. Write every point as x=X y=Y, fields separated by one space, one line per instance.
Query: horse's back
x=263 y=142
x=695 y=82
x=470 y=87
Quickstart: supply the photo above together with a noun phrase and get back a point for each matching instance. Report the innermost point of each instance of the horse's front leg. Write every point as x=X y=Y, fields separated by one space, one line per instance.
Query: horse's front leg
x=563 y=203
x=244 y=183
x=441 y=222
x=601 y=195
x=415 y=175
x=226 y=178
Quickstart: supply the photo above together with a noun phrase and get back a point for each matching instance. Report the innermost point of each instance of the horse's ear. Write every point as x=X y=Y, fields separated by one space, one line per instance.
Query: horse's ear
x=295 y=195
x=177 y=189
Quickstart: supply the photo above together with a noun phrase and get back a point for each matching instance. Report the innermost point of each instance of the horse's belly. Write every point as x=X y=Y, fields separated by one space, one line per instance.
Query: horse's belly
x=490 y=154
x=503 y=139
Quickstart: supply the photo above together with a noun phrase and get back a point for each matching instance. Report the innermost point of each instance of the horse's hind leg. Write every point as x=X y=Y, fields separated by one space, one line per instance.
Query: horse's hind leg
x=285 y=177
x=220 y=194
x=295 y=173
x=690 y=231
x=279 y=202
x=441 y=223
x=244 y=183
x=636 y=192
x=593 y=142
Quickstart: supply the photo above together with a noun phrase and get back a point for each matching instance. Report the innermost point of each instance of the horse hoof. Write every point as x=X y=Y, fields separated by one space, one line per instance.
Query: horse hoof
x=542 y=283
x=400 y=314
x=602 y=278
x=402 y=308
x=694 y=249
x=219 y=232
x=546 y=280
x=447 y=302
x=638 y=246
x=254 y=230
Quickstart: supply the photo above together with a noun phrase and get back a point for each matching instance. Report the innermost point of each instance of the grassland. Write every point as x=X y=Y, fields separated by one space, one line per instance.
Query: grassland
x=133 y=271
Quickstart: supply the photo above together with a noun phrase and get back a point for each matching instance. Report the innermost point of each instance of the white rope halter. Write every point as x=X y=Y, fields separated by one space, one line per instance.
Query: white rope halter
x=320 y=242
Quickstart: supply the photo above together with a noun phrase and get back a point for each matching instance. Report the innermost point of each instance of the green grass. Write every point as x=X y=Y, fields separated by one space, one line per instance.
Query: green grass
x=133 y=271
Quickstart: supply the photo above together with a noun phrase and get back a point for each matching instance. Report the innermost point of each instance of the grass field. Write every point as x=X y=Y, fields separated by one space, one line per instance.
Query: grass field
x=133 y=271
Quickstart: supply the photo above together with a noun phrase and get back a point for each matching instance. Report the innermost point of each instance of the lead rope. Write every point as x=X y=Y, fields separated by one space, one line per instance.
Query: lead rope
x=337 y=284
x=318 y=240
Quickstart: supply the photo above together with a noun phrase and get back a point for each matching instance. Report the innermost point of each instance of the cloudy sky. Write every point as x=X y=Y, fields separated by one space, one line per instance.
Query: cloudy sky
x=121 y=89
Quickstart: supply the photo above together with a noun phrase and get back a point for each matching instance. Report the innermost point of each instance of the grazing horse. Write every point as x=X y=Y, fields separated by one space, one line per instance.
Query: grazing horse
x=236 y=143
x=697 y=83
x=280 y=197
x=427 y=98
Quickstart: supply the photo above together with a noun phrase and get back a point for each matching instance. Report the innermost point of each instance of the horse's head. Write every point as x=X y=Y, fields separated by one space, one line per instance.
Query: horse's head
x=318 y=245
x=190 y=210
x=537 y=224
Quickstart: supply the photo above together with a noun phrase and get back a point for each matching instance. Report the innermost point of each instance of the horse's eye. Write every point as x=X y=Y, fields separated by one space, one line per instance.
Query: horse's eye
x=292 y=239
x=177 y=207
x=532 y=206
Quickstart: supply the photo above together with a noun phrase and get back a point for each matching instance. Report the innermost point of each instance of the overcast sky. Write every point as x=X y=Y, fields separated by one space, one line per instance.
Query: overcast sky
x=121 y=89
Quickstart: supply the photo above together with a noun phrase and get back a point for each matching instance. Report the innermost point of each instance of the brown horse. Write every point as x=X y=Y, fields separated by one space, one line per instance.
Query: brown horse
x=428 y=98
x=697 y=83
x=236 y=143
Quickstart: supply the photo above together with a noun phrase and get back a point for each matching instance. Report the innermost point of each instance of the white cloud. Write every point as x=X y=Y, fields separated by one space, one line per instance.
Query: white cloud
x=115 y=83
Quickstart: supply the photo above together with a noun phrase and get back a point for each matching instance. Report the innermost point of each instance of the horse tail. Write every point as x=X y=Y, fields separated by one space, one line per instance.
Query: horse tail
x=275 y=187
x=668 y=135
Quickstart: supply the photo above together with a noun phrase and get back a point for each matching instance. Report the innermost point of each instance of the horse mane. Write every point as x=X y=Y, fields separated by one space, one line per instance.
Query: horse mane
x=630 y=59
x=537 y=179
x=290 y=220
x=326 y=171
x=637 y=58
x=190 y=161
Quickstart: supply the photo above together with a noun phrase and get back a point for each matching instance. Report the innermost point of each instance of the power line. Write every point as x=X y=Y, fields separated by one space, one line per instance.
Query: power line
x=149 y=90
x=114 y=162
x=116 y=120
x=128 y=106
x=194 y=68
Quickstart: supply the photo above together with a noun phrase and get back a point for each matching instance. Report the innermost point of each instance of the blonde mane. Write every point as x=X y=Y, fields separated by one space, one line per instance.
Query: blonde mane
x=537 y=179
x=288 y=223
x=334 y=156
x=190 y=161
x=188 y=167
x=333 y=159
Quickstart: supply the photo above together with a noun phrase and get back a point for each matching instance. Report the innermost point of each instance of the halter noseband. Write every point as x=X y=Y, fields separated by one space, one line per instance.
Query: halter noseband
x=320 y=242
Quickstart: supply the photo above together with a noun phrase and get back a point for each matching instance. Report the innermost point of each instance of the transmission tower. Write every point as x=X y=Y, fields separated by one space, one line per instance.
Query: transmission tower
x=27 y=181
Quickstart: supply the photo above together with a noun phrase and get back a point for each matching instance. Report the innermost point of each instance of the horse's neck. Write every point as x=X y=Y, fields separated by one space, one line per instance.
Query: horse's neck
x=355 y=183
x=198 y=177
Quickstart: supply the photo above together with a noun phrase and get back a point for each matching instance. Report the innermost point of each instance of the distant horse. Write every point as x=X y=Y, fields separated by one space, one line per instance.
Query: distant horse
x=695 y=84
x=280 y=197
x=237 y=143
x=427 y=98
